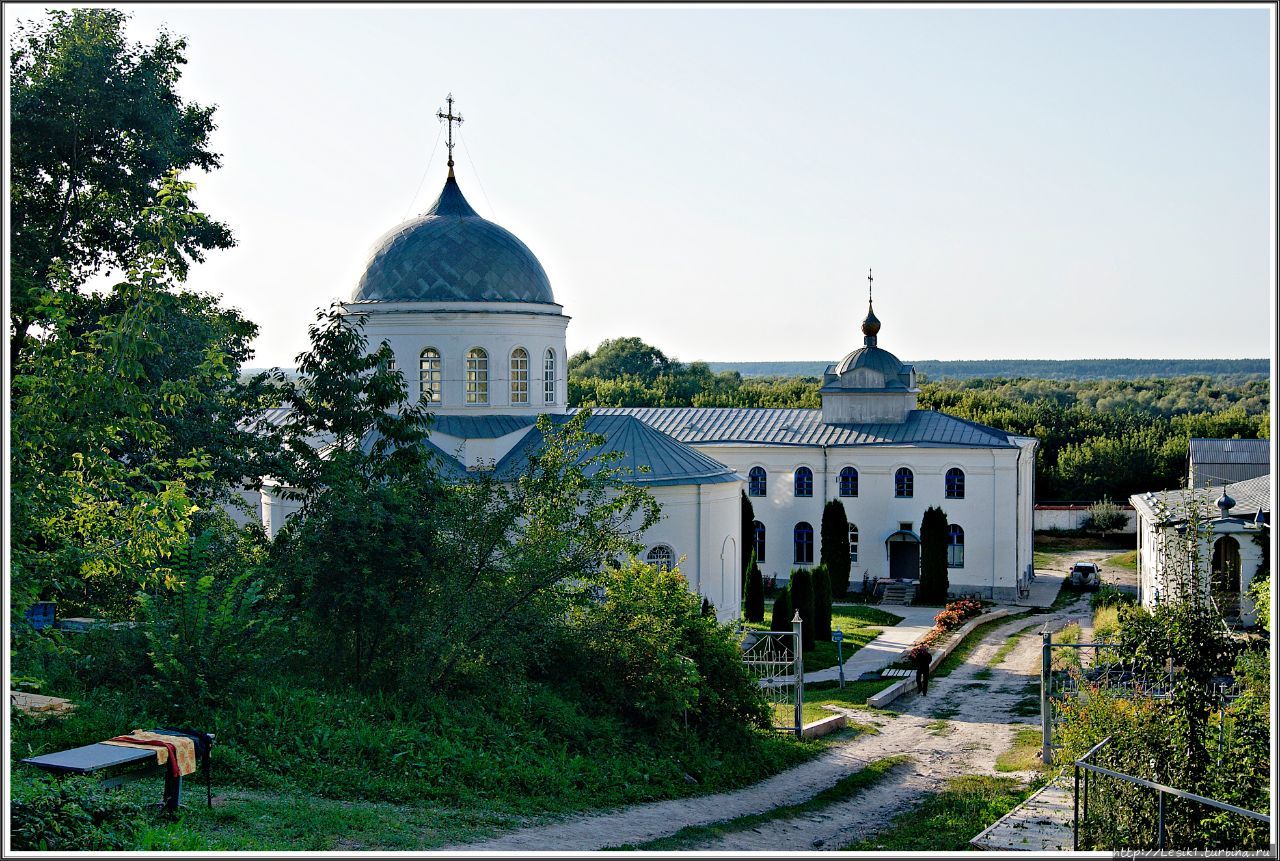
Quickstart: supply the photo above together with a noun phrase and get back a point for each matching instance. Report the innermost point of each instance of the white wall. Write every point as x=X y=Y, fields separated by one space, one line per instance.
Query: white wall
x=1073 y=516
x=700 y=523
x=995 y=513
x=453 y=330
x=1154 y=575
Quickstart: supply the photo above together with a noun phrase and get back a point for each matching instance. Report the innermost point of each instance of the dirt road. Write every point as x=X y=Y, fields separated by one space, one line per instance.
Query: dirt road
x=979 y=725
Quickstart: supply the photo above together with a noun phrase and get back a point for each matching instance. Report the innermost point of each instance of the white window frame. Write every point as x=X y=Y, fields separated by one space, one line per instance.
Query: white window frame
x=520 y=377
x=477 y=377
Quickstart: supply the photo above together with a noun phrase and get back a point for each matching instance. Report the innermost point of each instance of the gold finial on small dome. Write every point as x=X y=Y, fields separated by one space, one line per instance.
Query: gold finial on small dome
x=871 y=325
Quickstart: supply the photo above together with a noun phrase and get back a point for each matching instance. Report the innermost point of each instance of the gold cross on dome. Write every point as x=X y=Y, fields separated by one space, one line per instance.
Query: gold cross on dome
x=869 y=280
x=452 y=118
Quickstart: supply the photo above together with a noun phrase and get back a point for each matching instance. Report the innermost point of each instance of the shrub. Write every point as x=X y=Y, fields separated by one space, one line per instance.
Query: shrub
x=933 y=557
x=782 y=612
x=1109 y=596
x=754 y=609
x=1104 y=516
x=802 y=601
x=655 y=655
x=205 y=637
x=70 y=814
x=835 y=546
x=821 y=604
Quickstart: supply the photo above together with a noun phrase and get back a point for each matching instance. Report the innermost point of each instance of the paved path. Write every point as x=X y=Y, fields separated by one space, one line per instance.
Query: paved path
x=884 y=649
x=978 y=726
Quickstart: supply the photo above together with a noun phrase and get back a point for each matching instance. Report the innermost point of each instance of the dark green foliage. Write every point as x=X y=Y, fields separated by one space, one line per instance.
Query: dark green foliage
x=821 y=604
x=96 y=124
x=1098 y=437
x=835 y=546
x=933 y=557
x=209 y=630
x=653 y=653
x=753 y=611
x=1087 y=370
x=105 y=472
x=357 y=558
x=802 y=601
x=782 y=611
x=72 y=814
x=746 y=538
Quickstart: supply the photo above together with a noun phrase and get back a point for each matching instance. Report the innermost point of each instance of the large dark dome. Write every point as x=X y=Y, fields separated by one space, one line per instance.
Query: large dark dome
x=451 y=254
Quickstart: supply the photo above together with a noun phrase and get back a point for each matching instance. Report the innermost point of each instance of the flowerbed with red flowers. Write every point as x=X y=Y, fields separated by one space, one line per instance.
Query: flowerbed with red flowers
x=957 y=613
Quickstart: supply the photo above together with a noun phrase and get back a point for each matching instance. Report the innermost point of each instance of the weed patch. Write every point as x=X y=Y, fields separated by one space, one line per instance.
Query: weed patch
x=946 y=821
x=1024 y=755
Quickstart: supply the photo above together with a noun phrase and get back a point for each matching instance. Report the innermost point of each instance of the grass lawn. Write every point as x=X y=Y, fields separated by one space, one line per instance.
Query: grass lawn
x=820 y=694
x=946 y=821
x=856 y=621
x=305 y=769
x=1125 y=560
x=1066 y=542
x=1025 y=753
x=691 y=837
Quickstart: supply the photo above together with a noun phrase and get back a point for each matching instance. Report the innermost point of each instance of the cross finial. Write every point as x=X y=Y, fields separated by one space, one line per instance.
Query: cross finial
x=869 y=280
x=451 y=118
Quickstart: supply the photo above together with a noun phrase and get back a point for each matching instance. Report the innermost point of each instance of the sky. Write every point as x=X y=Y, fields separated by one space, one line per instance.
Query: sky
x=1025 y=183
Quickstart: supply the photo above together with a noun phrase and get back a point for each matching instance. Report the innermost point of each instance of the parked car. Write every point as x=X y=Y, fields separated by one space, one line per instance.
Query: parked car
x=1085 y=577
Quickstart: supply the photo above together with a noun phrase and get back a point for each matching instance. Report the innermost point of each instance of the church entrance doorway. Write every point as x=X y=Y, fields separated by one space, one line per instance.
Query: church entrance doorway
x=904 y=557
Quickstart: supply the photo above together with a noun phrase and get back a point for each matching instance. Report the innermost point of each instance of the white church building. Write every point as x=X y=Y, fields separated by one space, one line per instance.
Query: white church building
x=472 y=320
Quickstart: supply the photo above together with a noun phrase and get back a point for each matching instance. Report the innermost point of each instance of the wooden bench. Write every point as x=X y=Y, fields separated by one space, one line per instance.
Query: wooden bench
x=116 y=765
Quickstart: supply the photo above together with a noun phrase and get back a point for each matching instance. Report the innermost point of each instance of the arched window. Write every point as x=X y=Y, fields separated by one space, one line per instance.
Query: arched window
x=903 y=483
x=757 y=481
x=519 y=376
x=848 y=481
x=804 y=481
x=1225 y=570
x=955 y=546
x=853 y=544
x=661 y=556
x=803 y=544
x=429 y=378
x=955 y=483
x=477 y=376
x=549 y=377
x=757 y=539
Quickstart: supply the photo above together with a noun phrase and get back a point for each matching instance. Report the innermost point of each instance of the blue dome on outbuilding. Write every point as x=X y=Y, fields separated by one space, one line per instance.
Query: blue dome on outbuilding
x=451 y=254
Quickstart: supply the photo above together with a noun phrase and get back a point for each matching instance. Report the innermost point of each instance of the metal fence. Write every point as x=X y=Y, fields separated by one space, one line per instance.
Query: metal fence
x=1130 y=822
x=1097 y=667
x=775 y=660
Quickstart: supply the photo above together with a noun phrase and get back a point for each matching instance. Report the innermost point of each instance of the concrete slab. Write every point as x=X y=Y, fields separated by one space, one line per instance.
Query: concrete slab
x=1040 y=824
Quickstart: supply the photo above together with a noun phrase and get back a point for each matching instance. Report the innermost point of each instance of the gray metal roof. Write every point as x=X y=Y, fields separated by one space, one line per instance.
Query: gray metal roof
x=451 y=254
x=757 y=426
x=652 y=458
x=1230 y=450
x=481 y=427
x=1215 y=461
x=1171 y=506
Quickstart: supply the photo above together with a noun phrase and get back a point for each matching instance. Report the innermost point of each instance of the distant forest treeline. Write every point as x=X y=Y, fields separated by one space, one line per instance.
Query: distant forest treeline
x=1098 y=439
x=1042 y=369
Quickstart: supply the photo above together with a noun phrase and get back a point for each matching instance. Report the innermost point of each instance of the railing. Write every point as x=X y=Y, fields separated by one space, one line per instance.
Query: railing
x=1059 y=685
x=1080 y=816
